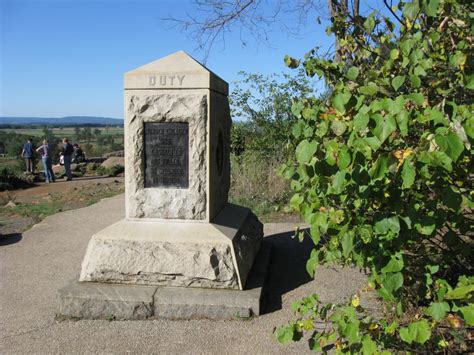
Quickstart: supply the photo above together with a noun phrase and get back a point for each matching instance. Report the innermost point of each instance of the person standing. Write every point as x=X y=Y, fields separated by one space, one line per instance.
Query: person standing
x=27 y=153
x=67 y=152
x=46 y=157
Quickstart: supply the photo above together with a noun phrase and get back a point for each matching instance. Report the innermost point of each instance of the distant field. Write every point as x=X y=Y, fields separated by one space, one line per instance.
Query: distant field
x=65 y=131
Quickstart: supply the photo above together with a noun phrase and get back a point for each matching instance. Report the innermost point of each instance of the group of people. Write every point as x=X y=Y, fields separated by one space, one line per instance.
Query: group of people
x=69 y=153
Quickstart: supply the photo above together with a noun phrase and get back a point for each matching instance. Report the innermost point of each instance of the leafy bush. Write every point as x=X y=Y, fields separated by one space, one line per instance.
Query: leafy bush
x=255 y=183
x=383 y=175
x=113 y=171
x=263 y=104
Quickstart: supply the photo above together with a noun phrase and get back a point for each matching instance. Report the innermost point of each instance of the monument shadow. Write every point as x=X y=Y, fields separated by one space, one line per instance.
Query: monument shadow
x=287 y=269
x=12 y=238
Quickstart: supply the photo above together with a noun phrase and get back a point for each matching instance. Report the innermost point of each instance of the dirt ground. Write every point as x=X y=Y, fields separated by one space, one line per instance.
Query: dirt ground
x=22 y=208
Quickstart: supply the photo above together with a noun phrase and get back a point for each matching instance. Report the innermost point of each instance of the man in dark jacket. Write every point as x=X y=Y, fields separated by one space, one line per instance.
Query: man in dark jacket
x=67 y=154
x=28 y=154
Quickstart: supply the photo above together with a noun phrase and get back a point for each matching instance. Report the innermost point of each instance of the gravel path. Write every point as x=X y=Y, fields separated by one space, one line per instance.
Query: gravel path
x=36 y=264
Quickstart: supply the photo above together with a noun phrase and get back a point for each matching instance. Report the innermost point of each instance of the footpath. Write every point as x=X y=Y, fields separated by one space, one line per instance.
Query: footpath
x=35 y=264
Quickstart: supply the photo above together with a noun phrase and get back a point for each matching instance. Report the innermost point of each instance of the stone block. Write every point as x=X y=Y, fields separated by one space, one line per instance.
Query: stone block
x=87 y=300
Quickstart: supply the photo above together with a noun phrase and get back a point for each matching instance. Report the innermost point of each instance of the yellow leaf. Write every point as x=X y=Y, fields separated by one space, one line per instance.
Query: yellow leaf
x=373 y=326
x=308 y=324
x=355 y=301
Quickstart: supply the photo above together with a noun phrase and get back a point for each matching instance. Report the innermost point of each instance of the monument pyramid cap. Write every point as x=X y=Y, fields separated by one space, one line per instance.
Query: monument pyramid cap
x=175 y=71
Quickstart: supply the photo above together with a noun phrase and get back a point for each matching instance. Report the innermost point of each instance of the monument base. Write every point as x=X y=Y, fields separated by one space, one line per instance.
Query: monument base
x=178 y=254
x=88 y=300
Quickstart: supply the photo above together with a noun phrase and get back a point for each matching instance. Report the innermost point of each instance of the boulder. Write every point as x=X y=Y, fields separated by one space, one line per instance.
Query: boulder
x=112 y=161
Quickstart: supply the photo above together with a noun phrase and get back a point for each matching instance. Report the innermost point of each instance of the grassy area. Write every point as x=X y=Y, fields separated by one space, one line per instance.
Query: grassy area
x=35 y=207
x=255 y=184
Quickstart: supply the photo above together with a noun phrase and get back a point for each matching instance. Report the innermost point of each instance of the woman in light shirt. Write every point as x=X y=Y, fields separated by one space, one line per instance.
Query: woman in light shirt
x=46 y=157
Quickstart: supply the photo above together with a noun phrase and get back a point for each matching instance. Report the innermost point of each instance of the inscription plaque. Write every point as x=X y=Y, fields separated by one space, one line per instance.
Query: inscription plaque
x=167 y=155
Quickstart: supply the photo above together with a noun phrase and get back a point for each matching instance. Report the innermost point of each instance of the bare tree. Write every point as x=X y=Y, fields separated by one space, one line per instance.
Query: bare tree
x=212 y=20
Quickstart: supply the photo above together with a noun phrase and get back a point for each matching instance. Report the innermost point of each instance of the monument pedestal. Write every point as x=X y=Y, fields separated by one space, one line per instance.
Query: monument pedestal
x=180 y=254
x=92 y=300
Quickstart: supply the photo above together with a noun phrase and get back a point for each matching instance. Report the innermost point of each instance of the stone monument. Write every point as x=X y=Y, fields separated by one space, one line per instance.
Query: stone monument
x=179 y=230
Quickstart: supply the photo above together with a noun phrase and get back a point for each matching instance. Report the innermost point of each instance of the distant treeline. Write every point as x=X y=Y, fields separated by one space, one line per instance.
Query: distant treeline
x=56 y=125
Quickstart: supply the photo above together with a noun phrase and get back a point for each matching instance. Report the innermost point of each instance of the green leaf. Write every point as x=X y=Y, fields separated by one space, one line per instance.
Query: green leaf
x=288 y=334
x=458 y=59
x=343 y=158
x=411 y=10
x=384 y=127
x=421 y=331
x=305 y=151
x=347 y=243
x=437 y=310
x=369 y=23
x=417 y=98
x=338 y=183
x=402 y=120
x=352 y=73
x=436 y=159
x=394 y=54
x=468 y=313
x=312 y=263
x=338 y=127
x=469 y=82
x=315 y=234
x=291 y=62
x=380 y=168
x=451 y=144
x=373 y=142
x=394 y=265
x=426 y=225
x=418 y=332
x=295 y=201
x=361 y=121
x=340 y=99
x=370 y=89
x=296 y=109
x=408 y=174
x=393 y=281
x=416 y=82
x=398 y=81
x=387 y=224
x=332 y=149
x=431 y=7
x=369 y=347
x=297 y=130
x=459 y=292
x=405 y=335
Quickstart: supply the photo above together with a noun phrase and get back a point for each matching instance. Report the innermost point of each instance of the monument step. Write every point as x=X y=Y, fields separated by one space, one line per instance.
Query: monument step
x=90 y=300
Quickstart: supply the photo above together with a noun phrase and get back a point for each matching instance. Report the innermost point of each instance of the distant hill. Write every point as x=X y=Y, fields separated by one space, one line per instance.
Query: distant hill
x=63 y=121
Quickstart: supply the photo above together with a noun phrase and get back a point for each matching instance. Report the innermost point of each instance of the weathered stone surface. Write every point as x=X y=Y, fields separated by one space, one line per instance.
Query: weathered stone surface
x=166 y=203
x=112 y=161
x=176 y=303
x=175 y=71
x=219 y=161
x=176 y=253
x=102 y=301
x=160 y=263
x=105 y=301
x=247 y=244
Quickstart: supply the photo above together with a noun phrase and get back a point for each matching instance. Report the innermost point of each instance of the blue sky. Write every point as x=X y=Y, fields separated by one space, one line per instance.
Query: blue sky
x=63 y=58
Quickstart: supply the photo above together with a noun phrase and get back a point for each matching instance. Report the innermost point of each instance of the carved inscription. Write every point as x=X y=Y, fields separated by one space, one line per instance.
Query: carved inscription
x=167 y=155
x=166 y=80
